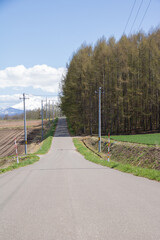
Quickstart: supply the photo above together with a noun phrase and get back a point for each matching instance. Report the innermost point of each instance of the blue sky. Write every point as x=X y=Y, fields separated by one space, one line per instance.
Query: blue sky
x=38 y=32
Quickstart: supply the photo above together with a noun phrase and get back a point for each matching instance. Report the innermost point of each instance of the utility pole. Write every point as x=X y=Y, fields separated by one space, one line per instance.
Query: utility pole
x=25 y=129
x=49 y=110
x=99 y=127
x=53 y=109
x=46 y=108
x=42 y=118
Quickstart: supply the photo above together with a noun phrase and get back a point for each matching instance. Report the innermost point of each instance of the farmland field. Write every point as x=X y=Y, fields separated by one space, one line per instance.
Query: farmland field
x=9 y=130
x=149 y=139
x=18 y=123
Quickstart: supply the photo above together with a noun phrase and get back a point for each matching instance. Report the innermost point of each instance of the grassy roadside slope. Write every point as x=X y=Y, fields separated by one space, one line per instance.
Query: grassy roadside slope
x=23 y=161
x=32 y=158
x=149 y=139
x=137 y=171
x=135 y=154
x=71 y=131
x=47 y=139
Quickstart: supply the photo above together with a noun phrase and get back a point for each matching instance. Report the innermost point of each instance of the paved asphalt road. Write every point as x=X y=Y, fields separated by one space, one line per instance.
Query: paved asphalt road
x=65 y=197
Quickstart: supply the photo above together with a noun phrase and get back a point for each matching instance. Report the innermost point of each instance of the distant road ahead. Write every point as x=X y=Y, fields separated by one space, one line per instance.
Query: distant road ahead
x=65 y=197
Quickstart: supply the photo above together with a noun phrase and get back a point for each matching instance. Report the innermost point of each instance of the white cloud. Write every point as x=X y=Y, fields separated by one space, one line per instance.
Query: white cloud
x=39 y=76
x=9 y=98
x=32 y=102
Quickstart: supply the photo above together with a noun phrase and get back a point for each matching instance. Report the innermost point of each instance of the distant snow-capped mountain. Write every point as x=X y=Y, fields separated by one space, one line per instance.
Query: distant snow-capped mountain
x=10 y=112
x=32 y=103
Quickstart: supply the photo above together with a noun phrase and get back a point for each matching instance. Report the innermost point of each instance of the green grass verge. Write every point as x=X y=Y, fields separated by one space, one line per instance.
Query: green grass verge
x=48 y=139
x=70 y=129
x=23 y=161
x=32 y=158
x=137 y=171
x=149 y=139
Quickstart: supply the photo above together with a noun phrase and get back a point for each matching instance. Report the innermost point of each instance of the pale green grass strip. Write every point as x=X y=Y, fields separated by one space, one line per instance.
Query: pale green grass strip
x=32 y=158
x=149 y=139
x=23 y=161
x=137 y=171
x=48 y=139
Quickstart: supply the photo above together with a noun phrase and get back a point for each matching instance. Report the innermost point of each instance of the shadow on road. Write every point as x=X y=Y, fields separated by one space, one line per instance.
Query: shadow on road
x=62 y=130
x=62 y=169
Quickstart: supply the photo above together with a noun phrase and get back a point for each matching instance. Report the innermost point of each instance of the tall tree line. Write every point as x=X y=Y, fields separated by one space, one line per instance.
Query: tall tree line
x=128 y=72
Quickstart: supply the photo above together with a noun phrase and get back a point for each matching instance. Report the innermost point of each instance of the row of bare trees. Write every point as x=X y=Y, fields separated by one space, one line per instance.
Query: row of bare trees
x=128 y=72
x=35 y=114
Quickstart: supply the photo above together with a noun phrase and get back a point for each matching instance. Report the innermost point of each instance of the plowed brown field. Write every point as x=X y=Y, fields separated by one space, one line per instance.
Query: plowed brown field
x=9 y=130
x=18 y=123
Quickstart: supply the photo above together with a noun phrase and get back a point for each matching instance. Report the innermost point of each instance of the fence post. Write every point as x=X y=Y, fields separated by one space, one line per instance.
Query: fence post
x=108 y=145
x=16 y=150
x=42 y=117
x=99 y=125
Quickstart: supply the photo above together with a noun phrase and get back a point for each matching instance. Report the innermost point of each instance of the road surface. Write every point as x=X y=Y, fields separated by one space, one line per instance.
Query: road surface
x=65 y=197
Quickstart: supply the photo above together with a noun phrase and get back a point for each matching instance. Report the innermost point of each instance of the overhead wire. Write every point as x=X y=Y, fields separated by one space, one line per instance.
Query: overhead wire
x=144 y=14
x=51 y=95
x=129 y=16
x=136 y=16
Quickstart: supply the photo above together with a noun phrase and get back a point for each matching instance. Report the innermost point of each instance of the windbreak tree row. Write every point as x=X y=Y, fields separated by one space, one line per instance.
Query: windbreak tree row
x=128 y=72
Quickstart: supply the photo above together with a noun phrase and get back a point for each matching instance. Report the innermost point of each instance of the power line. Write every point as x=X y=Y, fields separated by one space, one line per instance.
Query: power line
x=43 y=95
x=25 y=129
x=42 y=116
x=144 y=14
x=136 y=16
x=129 y=16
